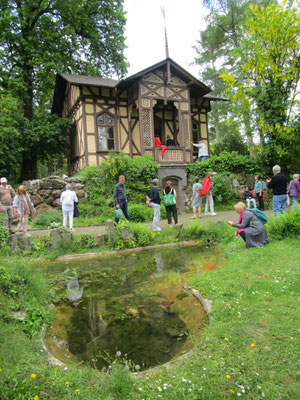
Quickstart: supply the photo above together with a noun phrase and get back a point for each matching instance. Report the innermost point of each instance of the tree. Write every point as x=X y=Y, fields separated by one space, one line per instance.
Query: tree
x=39 y=38
x=221 y=36
x=265 y=78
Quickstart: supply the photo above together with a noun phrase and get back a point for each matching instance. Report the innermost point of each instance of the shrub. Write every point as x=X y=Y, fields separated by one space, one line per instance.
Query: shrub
x=225 y=163
x=224 y=192
x=44 y=220
x=284 y=225
x=137 y=212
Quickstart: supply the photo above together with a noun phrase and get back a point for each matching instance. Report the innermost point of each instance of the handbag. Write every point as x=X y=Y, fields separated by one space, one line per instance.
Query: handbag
x=201 y=192
x=148 y=202
x=168 y=199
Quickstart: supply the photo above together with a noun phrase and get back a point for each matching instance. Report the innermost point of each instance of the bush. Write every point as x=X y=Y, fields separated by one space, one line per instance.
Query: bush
x=138 y=212
x=233 y=163
x=44 y=220
x=284 y=225
x=224 y=192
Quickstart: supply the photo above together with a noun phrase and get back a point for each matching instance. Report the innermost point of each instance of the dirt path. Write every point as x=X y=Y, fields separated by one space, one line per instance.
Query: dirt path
x=182 y=219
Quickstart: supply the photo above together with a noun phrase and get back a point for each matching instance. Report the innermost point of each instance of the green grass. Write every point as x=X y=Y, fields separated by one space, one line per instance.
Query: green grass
x=255 y=294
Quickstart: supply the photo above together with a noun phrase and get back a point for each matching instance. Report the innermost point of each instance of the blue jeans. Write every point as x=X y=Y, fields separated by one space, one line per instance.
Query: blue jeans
x=124 y=208
x=203 y=158
x=294 y=198
x=156 y=216
x=279 y=203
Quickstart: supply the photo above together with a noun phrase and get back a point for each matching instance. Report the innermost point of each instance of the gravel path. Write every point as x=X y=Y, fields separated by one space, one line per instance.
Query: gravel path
x=182 y=219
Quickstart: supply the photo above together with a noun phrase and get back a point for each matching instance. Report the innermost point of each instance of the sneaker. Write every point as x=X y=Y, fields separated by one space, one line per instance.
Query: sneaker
x=72 y=230
x=157 y=229
x=213 y=213
x=170 y=226
x=207 y=213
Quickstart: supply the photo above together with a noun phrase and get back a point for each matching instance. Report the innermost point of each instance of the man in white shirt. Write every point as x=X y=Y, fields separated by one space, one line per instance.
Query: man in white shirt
x=202 y=150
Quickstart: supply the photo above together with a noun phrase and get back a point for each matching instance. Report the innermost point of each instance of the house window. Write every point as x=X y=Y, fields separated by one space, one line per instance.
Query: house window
x=105 y=125
x=195 y=130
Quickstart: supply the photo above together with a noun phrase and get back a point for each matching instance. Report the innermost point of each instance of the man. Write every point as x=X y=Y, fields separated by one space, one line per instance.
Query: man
x=278 y=183
x=202 y=150
x=7 y=195
x=67 y=199
x=120 y=198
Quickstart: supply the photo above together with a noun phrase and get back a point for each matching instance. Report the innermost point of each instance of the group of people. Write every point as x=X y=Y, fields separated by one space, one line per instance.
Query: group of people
x=249 y=227
x=15 y=204
x=153 y=200
x=203 y=191
x=18 y=205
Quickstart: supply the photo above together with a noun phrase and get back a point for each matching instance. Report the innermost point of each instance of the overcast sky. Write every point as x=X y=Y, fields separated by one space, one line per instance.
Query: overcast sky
x=145 y=32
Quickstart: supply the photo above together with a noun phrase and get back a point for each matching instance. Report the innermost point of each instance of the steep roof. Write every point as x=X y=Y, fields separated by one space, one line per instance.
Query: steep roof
x=197 y=88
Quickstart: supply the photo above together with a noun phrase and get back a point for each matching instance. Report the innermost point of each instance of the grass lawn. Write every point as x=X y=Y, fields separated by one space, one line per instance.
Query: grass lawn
x=251 y=350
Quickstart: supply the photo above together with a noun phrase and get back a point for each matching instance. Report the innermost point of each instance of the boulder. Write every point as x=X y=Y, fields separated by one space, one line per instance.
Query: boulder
x=36 y=199
x=58 y=237
x=56 y=203
x=45 y=192
x=126 y=234
x=100 y=240
x=32 y=186
x=110 y=226
x=42 y=208
x=52 y=182
x=20 y=241
x=80 y=193
x=50 y=200
x=56 y=193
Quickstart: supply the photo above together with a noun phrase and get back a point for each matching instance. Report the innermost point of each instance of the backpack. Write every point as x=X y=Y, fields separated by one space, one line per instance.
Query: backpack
x=168 y=199
x=68 y=200
x=261 y=216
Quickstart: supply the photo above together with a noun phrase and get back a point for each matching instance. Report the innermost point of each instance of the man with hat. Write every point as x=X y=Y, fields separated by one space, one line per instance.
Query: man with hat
x=7 y=195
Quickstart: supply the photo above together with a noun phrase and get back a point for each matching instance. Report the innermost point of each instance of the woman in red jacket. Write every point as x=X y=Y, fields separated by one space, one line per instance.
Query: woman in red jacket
x=208 y=189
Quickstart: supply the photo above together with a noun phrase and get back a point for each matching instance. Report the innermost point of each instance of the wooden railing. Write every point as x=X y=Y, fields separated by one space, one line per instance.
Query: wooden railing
x=172 y=155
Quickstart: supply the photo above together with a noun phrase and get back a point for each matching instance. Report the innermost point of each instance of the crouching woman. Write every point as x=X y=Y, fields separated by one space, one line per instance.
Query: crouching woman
x=251 y=230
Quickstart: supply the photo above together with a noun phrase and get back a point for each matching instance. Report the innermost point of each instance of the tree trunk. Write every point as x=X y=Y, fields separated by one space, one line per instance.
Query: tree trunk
x=29 y=167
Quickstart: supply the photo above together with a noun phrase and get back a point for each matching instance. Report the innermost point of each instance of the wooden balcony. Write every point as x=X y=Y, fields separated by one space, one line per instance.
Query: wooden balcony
x=173 y=155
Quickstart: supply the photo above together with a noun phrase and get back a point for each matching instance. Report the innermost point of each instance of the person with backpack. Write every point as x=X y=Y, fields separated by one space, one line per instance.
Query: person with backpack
x=250 y=226
x=169 y=200
x=67 y=199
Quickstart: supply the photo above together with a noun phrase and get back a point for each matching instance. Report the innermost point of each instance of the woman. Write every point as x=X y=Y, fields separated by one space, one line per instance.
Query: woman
x=208 y=189
x=171 y=209
x=155 y=204
x=294 y=189
x=22 y=207
x=196 y=199
x=251 y=230
x=67 y=200
x=258 y=187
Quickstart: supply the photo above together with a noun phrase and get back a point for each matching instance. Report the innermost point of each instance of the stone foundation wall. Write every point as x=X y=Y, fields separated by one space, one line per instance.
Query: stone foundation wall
x=45 y=193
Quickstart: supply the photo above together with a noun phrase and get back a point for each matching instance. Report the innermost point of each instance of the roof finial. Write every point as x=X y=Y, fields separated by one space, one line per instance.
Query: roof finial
x=166 y=37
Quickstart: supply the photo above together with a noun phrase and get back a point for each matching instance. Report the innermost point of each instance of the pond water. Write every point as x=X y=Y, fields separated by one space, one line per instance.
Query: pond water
x=130 y=305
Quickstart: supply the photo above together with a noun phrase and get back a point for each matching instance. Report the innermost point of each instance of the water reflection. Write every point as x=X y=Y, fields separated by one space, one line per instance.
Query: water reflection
x=134 y=305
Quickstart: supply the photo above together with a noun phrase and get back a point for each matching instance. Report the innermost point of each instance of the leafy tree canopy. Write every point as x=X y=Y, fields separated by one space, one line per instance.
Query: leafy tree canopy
x=39 y=38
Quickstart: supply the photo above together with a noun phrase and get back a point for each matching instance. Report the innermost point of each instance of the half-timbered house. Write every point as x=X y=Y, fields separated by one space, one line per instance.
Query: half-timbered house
x=109 y=115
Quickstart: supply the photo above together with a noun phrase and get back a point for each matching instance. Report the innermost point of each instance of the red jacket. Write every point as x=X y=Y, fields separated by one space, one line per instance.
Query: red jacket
x=206 y=184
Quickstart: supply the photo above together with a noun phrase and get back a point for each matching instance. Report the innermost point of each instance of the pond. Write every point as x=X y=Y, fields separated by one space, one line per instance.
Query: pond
x=129 y=305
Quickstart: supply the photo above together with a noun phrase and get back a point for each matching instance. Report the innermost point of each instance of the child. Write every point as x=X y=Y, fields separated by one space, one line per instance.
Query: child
x=248 y=197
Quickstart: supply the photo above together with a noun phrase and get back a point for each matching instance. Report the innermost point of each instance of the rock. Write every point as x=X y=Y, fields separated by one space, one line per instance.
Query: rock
x=52 y=182
x=110 y=226
x=19 y=315
x=32 y=186
x=36 y=199
x=56 y=203
x=235 y=183
x=56 y=193
x=80 y=193
x=126 y=234
x=20 y=241
x=50 y=200
x=45 y=192
x=100 y=240
x=43 y=208
x=58 y=237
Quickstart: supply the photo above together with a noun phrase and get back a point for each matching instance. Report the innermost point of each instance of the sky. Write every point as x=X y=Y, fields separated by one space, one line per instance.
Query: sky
x=145 y=38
